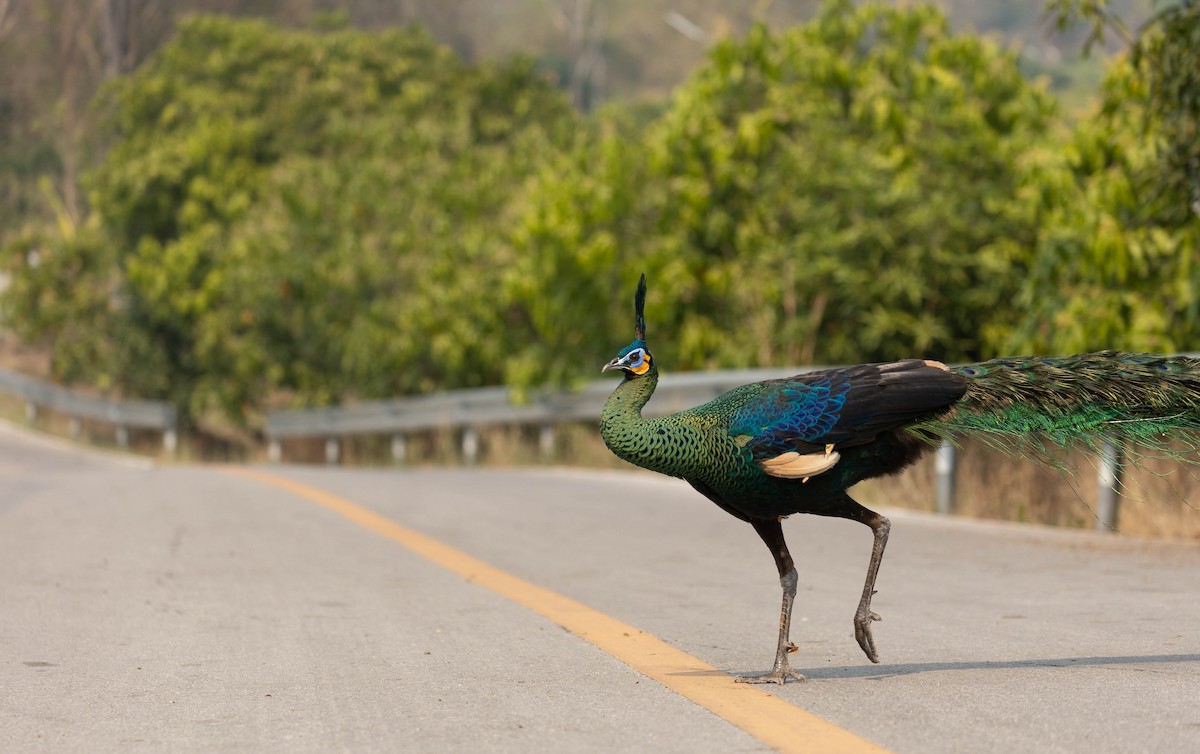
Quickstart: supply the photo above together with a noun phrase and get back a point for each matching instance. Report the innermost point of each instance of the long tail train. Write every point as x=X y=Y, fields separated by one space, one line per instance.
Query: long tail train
x=1139 y=402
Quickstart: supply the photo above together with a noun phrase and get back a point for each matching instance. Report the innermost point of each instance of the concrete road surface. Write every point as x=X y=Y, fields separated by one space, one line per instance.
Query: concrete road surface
x=189 y=609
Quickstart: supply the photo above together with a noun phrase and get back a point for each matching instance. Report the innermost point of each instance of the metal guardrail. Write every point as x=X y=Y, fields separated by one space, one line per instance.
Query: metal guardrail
x=121 y=414
x=467 y=410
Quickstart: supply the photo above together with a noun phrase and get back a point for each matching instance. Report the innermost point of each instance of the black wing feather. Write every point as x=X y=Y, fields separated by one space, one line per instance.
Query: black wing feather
x=844 y=407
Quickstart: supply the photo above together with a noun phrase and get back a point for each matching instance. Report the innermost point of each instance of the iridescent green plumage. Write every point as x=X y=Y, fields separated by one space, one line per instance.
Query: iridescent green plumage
x=771 y=449
x=1142 y=403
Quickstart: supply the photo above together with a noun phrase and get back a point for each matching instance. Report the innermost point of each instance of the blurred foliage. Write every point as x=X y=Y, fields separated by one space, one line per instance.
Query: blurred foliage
x=293 y=213
x=1098 y=16
x=1167 y=58
x=290 y=217
x=836 y=192
x=57 y=52
x=1115 y=264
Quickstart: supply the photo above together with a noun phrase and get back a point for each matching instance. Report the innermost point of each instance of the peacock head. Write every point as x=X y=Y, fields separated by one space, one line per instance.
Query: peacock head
x=634 y=359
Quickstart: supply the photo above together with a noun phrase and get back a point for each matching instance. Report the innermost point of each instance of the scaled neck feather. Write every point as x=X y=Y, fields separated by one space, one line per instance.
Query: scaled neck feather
x=622 y=413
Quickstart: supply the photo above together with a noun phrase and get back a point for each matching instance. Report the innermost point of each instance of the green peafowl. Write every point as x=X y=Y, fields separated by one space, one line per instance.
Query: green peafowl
x=795 y=445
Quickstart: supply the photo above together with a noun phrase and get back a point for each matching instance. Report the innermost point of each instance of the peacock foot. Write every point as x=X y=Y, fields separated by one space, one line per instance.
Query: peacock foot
x=778 y=675
x=862 y=633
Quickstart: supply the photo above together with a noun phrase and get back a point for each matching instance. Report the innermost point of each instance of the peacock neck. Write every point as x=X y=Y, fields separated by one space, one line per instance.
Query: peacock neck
x=627 y=401
x=621 y=420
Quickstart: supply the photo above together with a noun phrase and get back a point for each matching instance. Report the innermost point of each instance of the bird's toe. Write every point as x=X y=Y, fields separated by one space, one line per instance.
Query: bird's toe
x=779 y=675
x=862 y=634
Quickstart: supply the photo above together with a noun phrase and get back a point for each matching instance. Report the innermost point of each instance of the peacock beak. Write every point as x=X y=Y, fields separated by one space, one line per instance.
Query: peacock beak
x=614 y=364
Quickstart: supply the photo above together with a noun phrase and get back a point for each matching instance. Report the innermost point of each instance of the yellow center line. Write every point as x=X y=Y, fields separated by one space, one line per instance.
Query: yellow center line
x=777 y=723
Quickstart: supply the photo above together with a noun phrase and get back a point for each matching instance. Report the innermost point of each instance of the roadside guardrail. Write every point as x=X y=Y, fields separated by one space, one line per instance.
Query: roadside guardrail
x=122 y=414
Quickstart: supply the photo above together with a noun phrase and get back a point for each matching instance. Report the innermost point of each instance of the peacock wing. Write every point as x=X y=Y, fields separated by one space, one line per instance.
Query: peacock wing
x=810 y=415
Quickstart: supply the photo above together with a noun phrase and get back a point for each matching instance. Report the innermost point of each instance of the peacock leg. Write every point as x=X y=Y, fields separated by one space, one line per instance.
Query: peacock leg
x=772 y=534
x=863 y=618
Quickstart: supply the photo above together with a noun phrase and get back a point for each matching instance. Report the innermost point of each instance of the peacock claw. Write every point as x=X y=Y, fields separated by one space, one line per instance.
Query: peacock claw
x=862 y=633
x=778 y=675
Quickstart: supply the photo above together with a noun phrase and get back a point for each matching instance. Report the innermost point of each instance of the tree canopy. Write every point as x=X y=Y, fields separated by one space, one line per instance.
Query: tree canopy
x=1115 y=260
x=304 y=217
x=294 y=213
x=838 y=191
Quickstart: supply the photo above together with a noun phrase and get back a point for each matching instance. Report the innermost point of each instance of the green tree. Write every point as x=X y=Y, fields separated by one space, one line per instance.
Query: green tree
x=297 y=216
x=1115 y=262
x=835 y=192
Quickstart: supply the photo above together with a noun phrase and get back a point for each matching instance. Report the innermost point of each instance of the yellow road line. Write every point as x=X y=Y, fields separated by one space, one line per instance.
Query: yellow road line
x=775 y=722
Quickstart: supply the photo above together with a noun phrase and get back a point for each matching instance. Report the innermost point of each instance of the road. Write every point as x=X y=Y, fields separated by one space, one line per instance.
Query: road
x=188 y=608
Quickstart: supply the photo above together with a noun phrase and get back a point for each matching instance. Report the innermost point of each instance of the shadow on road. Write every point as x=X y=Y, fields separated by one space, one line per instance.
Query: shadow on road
x=887 y=671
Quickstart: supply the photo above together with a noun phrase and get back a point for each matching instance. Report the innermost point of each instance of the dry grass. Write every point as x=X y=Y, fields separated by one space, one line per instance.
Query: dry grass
x=22 y=357
x=1159 y=498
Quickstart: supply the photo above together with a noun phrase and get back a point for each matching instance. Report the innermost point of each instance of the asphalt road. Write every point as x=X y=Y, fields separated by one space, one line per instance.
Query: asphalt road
x=189 y=609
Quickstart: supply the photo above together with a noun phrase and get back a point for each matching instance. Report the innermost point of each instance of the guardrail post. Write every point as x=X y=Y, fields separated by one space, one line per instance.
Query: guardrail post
x=333 y=450
x=170 y=428
x=946 y=467
x=470 y=445
x=546 y=438
x=122 y=436
x=274 y=450
x=399 y=448
x=1108 y=497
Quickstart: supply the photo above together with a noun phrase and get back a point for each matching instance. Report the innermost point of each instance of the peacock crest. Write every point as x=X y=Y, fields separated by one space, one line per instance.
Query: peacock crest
x=635 y=359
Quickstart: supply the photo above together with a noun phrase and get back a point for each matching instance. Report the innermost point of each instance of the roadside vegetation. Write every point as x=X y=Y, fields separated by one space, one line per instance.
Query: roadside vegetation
x=252 y=216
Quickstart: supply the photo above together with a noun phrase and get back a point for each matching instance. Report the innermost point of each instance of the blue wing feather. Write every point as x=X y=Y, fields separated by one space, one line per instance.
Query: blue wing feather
x=842 y=407
x=790 y=410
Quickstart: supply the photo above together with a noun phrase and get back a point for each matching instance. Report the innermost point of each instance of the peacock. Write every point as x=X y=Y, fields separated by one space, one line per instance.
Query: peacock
x=774 y=448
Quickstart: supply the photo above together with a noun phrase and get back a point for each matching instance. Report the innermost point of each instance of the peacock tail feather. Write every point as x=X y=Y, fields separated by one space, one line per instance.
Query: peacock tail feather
x=1144 y=404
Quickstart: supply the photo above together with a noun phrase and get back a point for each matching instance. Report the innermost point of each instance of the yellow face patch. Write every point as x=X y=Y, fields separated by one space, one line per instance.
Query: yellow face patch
x=643 y=367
